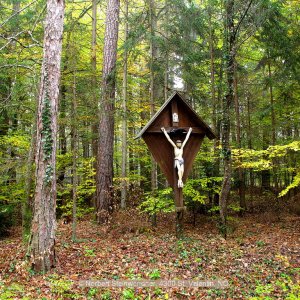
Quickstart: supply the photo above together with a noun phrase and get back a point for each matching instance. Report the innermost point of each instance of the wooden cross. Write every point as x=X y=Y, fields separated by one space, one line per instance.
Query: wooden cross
x=176 y=116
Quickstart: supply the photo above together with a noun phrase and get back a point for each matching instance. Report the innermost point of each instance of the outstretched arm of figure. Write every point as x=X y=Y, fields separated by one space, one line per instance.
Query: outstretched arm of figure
x=187 y=137
x=168 y=137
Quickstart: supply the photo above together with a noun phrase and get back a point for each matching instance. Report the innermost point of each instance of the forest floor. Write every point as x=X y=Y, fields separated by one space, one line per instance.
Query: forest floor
x=260 y=260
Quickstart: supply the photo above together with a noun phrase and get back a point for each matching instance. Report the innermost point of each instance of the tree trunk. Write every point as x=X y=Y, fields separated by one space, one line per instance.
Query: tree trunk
x=62 y=142
x=271 y=102
x=95 y=123
x=74 y=145
x=251 y=175
x=153 y=91
x=27 y=204
x=215 y=100
x=265 y=174
x=273 y=122
x=212 y=73
x=44 y=221
x=227 y=102
x=166 y=73
x=107 y=107
x=241 y=175
x=124 y=117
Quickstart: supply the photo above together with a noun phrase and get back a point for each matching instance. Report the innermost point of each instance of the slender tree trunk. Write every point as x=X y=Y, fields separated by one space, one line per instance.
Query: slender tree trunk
x=27 y=204
x=11 y=118
x=251 y=175
x=43 y=227
x=124 y=116
x=227 y=102
x=153 y=91
x=94 y=104
x=94 y=78
x=62 y=142
x=215 y=101
x=212 y=72
x=166 y=71
x=241 y=175
x=107 y=108
x=265 y=174
x=273 y=121
x=27 y=207
x=166 y=75
x=74 y=158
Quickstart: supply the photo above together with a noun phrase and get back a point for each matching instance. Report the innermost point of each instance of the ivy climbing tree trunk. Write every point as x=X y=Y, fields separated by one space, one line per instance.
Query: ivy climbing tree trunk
x=42 y=252
x=104 y=172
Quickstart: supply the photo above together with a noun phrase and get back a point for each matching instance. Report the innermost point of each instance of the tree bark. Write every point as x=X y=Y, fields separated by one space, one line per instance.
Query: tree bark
x=95 y=123
x=74 y=145
x=62 y=142
x=251 y=175
x=153 y=91
x=227 y=102
x=241 y=175
x=27 y=206
x=43 y=227
x=107 y=107
x=124 y=116
x=273 y=121
x=212 y=73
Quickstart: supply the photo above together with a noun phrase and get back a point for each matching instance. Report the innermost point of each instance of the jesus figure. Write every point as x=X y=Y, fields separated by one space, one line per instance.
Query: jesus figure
x=178 y=153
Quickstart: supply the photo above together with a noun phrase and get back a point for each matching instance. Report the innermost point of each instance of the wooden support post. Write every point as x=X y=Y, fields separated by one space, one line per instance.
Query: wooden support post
x=179 y=207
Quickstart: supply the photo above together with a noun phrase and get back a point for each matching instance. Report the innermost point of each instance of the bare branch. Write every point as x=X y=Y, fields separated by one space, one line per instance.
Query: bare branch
x=16 y=65
x=242 y=19
x=17 y=12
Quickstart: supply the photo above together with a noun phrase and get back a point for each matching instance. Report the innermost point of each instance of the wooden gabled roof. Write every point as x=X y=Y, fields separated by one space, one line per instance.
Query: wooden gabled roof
x=189 y=110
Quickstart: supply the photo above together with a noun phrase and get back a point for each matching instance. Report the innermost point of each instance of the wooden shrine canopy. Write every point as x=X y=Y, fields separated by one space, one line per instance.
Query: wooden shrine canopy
x=177 y=116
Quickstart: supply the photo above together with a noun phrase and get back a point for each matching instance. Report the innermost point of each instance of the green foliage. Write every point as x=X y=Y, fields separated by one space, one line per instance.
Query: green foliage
x=128 y=294
x=259 y=160
x=89 y=252
x=160 y=201
x=295 y=183
x=106 y=295
x=154 y=274
x=61 y=286
x=191 y=193
x=185 y=51
x=13 y=291
x=14 y=148
x=284 y=283
x=85 y=189
x=260 y=243
x=17 y=142
x=197 y=190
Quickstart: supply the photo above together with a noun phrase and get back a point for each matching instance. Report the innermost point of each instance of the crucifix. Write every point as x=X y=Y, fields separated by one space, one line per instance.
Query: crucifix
x=174 y=136
x=178 y=154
